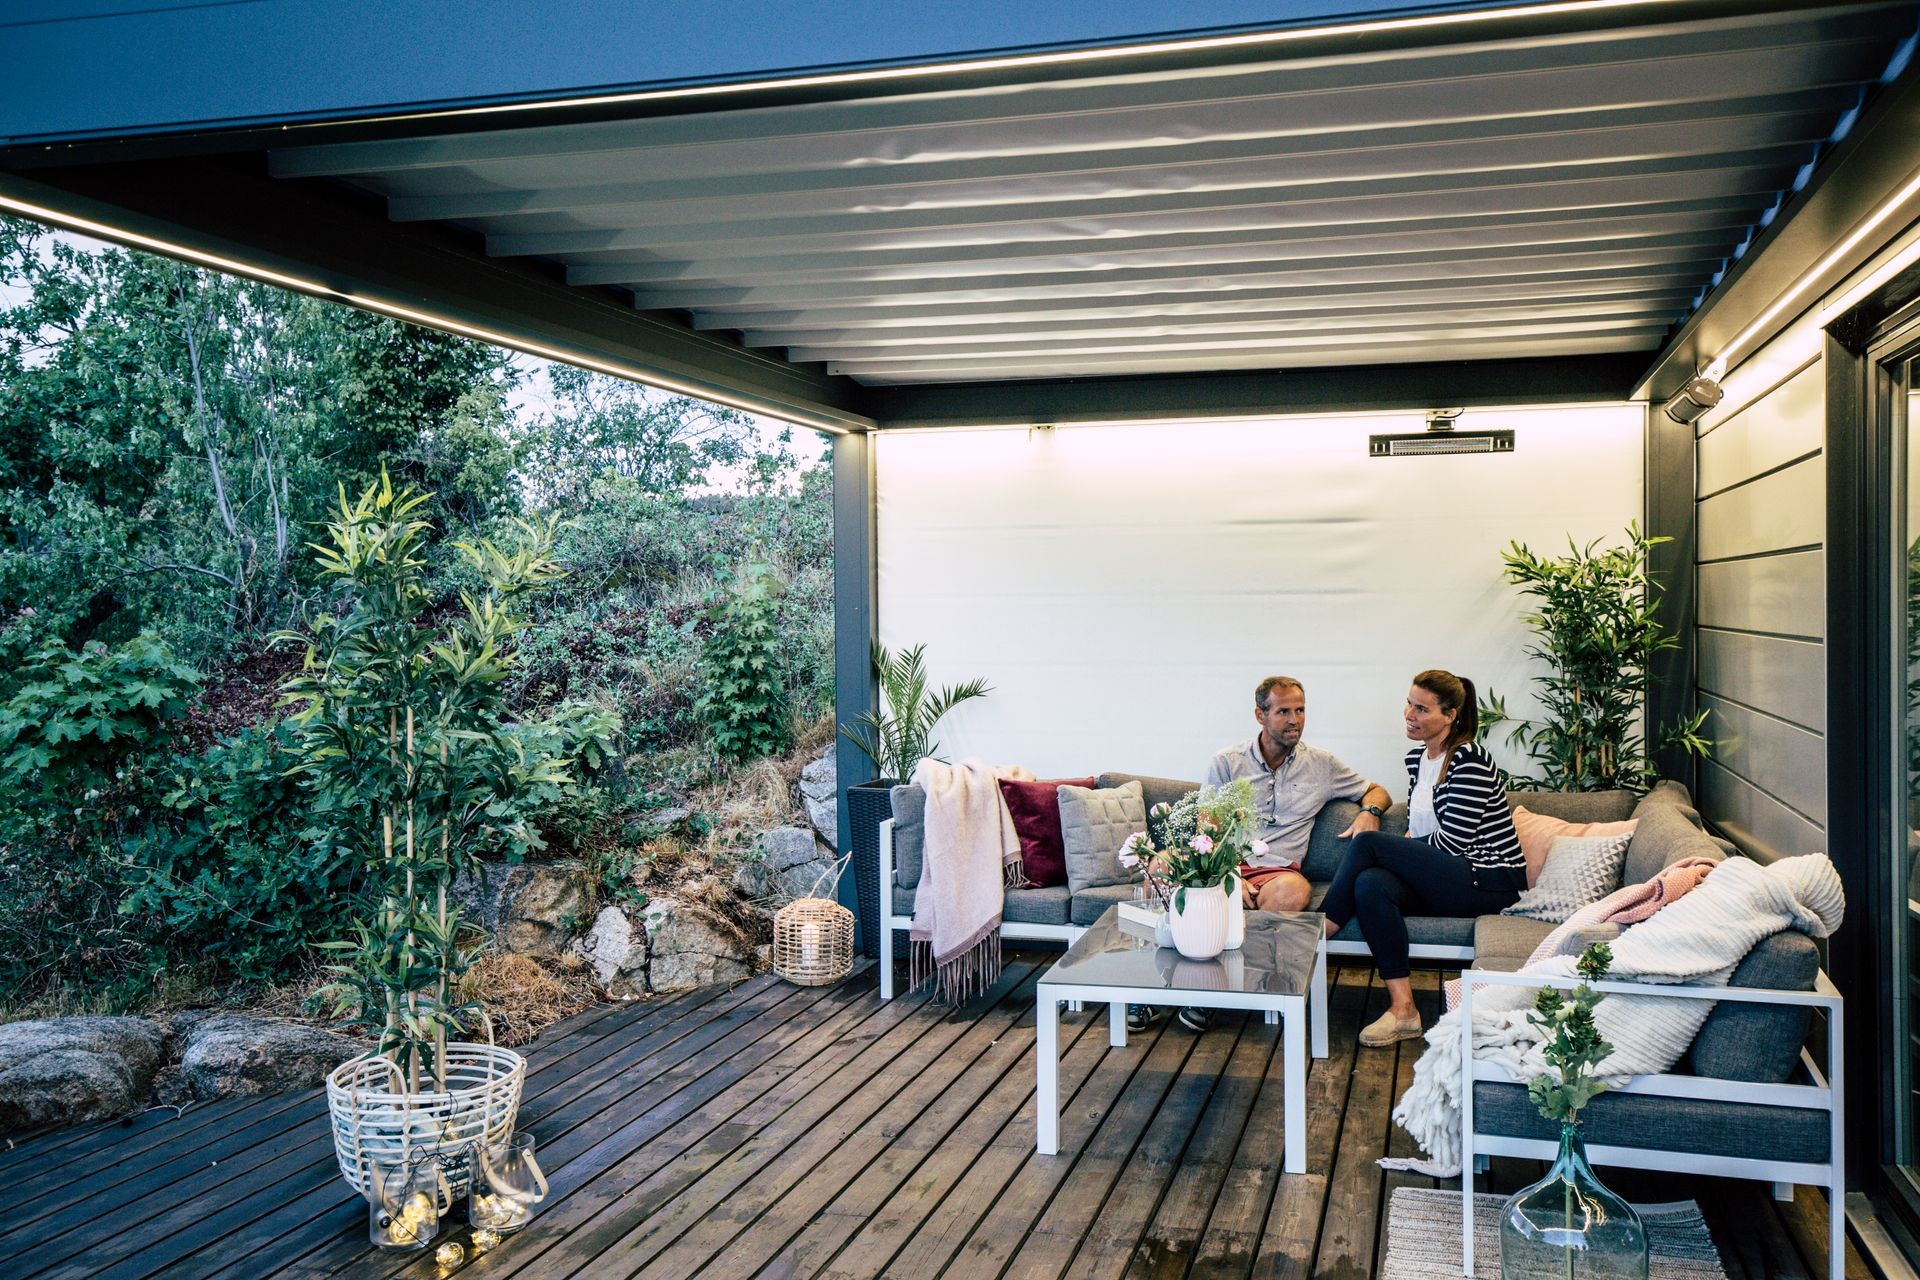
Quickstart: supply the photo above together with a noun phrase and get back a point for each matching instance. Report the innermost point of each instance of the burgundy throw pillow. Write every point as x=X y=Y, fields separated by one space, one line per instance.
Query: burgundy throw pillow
x=1035 y=807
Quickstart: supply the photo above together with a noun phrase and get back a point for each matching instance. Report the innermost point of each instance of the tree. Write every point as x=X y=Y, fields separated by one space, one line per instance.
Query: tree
x=603 y=425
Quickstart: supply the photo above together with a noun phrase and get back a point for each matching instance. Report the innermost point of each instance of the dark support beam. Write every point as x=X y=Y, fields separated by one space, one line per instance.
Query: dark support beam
x=1869 y=166
x=1670 y=514
x=343 y=246
x=855 y=617
x=1369 y=388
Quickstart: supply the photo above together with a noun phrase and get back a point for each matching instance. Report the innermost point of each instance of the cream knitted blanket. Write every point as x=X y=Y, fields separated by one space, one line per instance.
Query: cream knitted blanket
x=1699 y=939
x=956 y=906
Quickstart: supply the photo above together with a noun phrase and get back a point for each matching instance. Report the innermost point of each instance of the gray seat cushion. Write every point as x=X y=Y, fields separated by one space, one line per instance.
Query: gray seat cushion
x=909 y=833
x=1698 y=1126
x=1037 y=906
x=903 y=902
x=1422 y=931
x=1670 y=829
x=1758 y=1041
x=1090 y=904
x=1505 y=942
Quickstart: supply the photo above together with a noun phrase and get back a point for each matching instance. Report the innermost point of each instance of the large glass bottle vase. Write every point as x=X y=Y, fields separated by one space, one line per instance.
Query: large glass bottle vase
x=1567 y=1226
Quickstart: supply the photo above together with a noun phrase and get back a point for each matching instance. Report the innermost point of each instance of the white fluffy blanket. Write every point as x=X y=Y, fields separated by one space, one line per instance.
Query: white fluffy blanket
x=956 y=906
x=1699 y=939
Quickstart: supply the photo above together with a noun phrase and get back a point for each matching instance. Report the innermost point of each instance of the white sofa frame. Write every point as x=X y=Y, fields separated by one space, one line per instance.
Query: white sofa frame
x=891 y=924
x=1820 y=1095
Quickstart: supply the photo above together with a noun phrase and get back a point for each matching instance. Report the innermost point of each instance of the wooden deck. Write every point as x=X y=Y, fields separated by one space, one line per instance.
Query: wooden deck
x=774 y=1132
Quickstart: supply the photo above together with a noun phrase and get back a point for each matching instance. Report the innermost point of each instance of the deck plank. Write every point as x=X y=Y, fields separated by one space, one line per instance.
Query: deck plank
x=784 y=1133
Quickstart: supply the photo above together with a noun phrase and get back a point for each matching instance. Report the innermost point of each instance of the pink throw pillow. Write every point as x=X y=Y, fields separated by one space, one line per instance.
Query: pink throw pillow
x=1537 y=833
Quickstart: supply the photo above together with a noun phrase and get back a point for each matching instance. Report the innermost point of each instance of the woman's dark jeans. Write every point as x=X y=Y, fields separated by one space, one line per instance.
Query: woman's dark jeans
x=1384 y=879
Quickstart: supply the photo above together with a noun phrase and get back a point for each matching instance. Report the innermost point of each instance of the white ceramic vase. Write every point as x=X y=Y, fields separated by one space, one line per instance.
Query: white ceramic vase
x=1199 y=922
x=1236 y=915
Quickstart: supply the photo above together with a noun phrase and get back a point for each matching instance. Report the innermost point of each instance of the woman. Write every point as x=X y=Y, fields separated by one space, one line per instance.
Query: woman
x=1460 y=856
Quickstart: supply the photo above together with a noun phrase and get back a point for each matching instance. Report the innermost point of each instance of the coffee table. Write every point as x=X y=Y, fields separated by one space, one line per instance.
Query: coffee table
x=1281 y=970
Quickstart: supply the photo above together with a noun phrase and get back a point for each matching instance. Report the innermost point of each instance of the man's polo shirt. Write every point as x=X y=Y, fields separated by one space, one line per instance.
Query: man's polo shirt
x=1285 y=800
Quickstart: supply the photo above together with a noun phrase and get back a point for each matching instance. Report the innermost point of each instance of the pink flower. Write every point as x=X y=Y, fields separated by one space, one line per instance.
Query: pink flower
x=1260 y=848
x=1203 y=843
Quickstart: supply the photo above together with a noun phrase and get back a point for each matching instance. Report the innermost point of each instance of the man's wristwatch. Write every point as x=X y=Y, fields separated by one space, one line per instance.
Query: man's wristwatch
x=1373 y=809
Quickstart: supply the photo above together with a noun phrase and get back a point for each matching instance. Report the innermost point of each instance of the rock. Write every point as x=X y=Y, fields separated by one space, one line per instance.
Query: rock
x=617 y=951
x=667 y=819
x=238 y=1055
x=687 y=948
x=790 y=861
x=532 y=908
x=69 y=1069
x=820 y=789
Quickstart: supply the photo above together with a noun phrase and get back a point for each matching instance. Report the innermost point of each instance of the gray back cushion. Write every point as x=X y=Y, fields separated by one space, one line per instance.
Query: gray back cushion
x=1153 y=791
x=909 y=834
x=1760 y=1041
x=1094 y=823
x=1577 y=806
x=1325 y=848
x=1669 y=829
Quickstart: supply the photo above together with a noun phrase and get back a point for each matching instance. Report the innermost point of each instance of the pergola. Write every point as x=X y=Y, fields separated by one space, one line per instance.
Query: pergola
x=868 y=218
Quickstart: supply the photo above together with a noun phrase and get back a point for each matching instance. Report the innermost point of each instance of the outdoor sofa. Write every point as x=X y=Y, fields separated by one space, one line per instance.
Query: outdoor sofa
x=1747 y=1101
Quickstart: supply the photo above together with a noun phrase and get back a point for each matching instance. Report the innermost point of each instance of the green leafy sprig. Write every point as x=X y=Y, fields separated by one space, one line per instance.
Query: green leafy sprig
x=1573 y=1046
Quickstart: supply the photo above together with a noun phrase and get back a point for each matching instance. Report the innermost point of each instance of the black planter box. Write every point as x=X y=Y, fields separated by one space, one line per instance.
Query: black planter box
x=868 y=805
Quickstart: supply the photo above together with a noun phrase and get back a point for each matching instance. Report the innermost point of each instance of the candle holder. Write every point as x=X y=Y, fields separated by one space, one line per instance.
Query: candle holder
x=813 y=935
x=404 y=1202
x=507 y=1184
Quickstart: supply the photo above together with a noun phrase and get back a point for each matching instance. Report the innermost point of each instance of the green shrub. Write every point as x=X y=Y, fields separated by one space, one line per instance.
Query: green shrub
x=741 y=698
x=232 y=867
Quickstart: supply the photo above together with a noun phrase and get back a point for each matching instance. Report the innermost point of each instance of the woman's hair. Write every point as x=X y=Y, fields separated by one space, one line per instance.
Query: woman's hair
x=1456 y=694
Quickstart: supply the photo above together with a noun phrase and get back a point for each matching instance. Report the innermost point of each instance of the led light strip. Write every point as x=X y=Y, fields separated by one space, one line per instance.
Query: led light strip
x=1717 y=367
x=300 y=284
x=1058 y=58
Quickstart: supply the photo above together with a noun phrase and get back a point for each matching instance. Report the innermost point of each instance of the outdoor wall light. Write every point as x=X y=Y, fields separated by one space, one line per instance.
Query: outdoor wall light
x=1691 y=401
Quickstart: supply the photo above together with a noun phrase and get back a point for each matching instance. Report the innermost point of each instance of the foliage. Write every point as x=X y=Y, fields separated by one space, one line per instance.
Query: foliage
x=80 y=715
x=1595 y=626
x=413 y=768
x=235 y=871
x=1572 y=1046
x=743 y=697
x=1200 y=841
x=608 y=427
x=900 y=734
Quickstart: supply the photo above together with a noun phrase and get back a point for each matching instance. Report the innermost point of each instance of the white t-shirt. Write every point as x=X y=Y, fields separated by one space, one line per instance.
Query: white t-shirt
x=1421 y=819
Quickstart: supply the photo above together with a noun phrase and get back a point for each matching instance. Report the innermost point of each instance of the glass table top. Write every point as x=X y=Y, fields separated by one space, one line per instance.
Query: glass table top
x=1277 y=958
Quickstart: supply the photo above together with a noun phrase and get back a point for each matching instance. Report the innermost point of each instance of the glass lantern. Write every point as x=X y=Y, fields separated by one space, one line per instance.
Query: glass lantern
x=507 y=1184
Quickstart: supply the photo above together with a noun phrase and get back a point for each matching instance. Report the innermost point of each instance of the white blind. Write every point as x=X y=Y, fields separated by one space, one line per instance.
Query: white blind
x=1123 y=588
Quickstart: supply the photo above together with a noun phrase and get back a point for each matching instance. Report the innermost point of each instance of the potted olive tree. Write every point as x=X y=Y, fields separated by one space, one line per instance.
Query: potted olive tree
x=401 y=739
x=896 y=737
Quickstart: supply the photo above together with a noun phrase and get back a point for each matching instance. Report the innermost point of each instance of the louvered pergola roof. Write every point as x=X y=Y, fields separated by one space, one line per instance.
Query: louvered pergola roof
x=1547 y=190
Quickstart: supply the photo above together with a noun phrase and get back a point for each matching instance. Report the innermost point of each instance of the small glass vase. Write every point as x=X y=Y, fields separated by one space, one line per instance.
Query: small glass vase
x=507 y=1185
x=405 y=1201
x=1569 y=1227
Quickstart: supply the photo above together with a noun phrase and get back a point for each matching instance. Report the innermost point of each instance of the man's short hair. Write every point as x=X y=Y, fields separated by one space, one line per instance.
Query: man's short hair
x=1271 y=683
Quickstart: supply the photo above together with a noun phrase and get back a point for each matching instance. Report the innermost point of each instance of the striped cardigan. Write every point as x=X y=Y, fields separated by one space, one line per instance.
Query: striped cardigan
x=1475 y=820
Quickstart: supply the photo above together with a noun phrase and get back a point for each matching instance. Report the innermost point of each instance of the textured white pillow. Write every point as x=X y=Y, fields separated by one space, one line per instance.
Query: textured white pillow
x=1580 y=870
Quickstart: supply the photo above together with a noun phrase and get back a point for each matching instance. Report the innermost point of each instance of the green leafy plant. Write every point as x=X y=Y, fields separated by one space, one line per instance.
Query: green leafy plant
x=900 y=734
x=1595 y=626
x=80 y=715
x=742 y=698
x=1199 y=841
x=401 y=738
x=1572 y=1045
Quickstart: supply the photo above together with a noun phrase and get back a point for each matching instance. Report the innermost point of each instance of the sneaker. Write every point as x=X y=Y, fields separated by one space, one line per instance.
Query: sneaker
x=1196 y=1020
x=1140 y=1016
x=1387 y=1029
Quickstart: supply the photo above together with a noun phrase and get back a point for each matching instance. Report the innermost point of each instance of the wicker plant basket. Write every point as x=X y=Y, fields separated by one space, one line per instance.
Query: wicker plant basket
x=813 y=940
x=374 y=1118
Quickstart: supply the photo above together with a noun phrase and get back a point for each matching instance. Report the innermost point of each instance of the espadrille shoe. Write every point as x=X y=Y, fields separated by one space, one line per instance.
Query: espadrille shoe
x=1387 y=1029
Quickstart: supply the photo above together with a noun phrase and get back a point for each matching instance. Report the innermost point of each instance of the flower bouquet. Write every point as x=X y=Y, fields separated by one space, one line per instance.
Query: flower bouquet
x=1191 y=854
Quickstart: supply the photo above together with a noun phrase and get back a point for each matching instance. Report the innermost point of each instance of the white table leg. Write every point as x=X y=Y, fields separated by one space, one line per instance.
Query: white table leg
x=1046 y=1094
x=1117 y=1024
x=1317 y=999
x=1294 y=1014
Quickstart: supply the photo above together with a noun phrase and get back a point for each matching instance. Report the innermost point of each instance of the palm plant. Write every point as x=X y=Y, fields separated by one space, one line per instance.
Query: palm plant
x=900 y=734
x=1595 y=627
x=400 y=736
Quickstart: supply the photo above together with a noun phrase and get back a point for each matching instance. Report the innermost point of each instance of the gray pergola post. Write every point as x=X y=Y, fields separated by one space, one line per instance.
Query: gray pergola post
x=855 y=588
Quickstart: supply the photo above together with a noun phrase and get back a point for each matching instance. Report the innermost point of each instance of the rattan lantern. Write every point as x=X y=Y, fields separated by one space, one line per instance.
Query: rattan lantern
x=813 y=942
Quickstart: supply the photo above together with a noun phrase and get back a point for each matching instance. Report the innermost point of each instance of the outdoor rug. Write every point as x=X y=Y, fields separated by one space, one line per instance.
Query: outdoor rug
x=1423 y=1238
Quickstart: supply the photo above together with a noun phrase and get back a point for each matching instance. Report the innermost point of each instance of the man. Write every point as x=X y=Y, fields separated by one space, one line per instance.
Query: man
x=1291 y=783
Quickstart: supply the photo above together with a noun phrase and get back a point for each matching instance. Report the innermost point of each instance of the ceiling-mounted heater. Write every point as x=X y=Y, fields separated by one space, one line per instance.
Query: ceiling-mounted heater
x=1439 y=437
